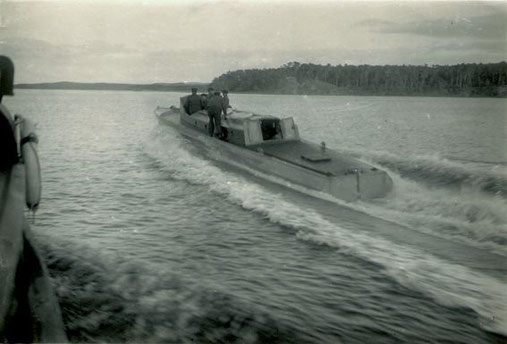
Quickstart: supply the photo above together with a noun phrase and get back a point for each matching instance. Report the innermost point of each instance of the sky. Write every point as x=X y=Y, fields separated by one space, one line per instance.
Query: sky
x=134 y=41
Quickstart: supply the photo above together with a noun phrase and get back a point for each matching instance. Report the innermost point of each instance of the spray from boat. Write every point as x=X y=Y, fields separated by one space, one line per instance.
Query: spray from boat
x=448 y=283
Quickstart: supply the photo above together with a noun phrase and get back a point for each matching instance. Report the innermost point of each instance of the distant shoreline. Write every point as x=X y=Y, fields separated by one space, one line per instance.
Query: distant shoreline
x=104 y=86
x=470 y=80
x=202 y=87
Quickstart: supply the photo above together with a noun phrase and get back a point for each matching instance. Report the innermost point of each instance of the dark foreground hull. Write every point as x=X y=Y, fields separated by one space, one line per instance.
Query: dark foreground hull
x=297 y=161
x=29 y=310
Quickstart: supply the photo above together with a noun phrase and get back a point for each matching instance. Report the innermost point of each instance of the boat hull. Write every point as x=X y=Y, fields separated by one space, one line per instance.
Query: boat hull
x=29 y=310
x=342 y=177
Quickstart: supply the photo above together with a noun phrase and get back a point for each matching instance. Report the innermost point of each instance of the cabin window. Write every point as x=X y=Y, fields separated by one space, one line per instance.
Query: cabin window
x=271 y=129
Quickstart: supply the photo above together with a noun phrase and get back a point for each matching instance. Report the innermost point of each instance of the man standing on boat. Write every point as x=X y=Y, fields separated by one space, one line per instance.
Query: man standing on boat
x=226 y=102
x=215 y=106
x=193 y=103
x=207 y=97
x=204 y=99
x=211 y=91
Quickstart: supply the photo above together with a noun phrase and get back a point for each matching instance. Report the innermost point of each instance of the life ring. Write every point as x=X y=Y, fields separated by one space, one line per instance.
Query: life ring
x=28 y=150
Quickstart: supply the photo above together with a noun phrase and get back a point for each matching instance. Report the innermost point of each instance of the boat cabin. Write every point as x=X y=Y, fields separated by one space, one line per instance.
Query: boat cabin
x=244 y=128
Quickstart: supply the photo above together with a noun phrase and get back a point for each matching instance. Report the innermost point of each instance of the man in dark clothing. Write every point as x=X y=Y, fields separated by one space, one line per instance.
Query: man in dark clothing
x=226 y=102
x=194 y=103
x=204 y=100
x=210 y=92
x=215 y=107
x=206 y=97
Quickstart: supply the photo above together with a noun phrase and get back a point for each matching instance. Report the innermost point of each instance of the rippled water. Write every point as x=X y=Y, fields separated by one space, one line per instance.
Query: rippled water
x=149 y=239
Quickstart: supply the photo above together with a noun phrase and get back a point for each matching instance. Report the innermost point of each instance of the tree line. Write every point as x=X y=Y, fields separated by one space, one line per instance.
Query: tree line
x=470 y=79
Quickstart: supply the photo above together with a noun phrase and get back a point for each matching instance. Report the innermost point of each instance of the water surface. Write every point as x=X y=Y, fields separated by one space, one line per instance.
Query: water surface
x=149 y=239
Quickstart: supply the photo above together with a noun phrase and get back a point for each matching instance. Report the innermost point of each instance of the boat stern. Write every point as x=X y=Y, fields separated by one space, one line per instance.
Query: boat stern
x=358 y=184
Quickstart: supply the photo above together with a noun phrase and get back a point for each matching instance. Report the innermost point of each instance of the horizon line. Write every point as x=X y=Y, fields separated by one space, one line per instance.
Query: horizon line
x=264 y=68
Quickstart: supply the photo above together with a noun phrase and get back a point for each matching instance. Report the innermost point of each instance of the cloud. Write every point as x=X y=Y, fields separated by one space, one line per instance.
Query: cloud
x=96 y=62
x=375 y=23
x=159 y=41
x=19 y=47
x=39 y=60
x=477 y=46
x=491 y=27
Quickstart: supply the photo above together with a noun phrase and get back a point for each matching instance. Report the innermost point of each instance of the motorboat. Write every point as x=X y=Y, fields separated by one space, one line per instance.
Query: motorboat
x=272 y=146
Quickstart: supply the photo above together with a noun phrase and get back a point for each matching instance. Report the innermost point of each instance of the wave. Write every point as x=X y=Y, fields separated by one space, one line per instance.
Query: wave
x=466 y=215
x=441 y=172
x=481 y=162
x=447 y=283
x=420 y=199
x=105 y=298
x=472 y=219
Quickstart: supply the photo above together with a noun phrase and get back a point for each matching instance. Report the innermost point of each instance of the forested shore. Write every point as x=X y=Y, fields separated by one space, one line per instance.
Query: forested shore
x=467 y=80
x=463 y=80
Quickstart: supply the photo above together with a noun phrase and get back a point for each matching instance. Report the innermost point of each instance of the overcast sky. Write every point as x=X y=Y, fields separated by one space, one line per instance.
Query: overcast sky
x=169 y=41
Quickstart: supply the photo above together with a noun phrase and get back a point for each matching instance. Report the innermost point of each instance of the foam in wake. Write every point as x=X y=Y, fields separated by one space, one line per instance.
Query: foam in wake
x=466 y=214
x=108 y=299
x=449 y=284
x=437 y=171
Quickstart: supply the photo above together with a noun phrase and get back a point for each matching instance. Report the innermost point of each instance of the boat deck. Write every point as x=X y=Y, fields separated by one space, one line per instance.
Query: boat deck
x=311 y=156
